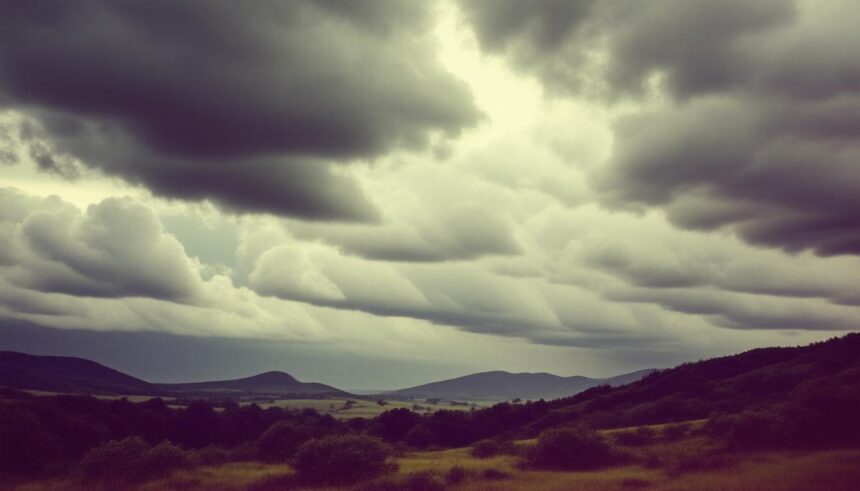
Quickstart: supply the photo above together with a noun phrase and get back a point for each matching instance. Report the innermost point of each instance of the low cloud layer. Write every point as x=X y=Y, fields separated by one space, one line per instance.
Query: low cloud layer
x=250 y=106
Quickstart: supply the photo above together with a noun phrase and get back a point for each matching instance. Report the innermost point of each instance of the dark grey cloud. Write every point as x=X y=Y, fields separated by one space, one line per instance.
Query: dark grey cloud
x=534 y=34
x=698 y=45
x=736 y=162
x=249 y=105
x=760 y=130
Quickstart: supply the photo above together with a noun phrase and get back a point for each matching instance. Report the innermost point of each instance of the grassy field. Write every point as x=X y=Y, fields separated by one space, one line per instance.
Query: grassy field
x=360 y=409
x=692 y=463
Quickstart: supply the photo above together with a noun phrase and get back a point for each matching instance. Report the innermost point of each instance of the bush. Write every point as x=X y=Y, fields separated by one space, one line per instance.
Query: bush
x=211 y=455
x=114 y=459
x=576 y=447
x=457 y=475
x=420 y=437
x=636 y=438
x=484 y=449
x=341 y=459
x=25 y=446
x=495 y=474
x=675 y=432
x=750 y=429
x=132 y=459
x=281 y=441
x=423 y=481
x=161 y=460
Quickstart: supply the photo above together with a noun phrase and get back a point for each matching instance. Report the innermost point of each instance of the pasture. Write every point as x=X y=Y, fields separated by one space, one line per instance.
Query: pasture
x=692 y=462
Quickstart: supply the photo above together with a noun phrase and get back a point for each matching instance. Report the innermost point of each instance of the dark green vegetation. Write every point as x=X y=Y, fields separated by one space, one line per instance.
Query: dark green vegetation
x=338 y=459
x=818 y=384
x=501 y=386
x=694 y=418
x=570 y=447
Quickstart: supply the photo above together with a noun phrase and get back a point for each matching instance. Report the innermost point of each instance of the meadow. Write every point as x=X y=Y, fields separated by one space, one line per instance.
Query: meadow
x=692 y=462
x=360 y=408
x=780 y=418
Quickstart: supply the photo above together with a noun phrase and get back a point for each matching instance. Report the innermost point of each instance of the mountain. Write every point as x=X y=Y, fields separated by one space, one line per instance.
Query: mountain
x=78 y=375
x=264 y=383
x=66 y=374
x=499 y=385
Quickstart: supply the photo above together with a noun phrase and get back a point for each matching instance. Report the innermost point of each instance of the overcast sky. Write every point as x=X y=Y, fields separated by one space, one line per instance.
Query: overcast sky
x=379 y=194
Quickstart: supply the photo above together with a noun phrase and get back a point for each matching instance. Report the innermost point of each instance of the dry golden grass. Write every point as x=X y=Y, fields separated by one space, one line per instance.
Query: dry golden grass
x=692 y=463
x=837 y=470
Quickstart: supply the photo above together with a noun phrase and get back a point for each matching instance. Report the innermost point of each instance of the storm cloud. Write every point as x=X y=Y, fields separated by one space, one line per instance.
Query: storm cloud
x=249 y=105
x=547 y=185
x=759 y=132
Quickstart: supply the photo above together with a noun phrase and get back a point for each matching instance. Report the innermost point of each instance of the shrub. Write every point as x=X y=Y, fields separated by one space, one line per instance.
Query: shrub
x=25 y=446
x=675 y=432
x=572 y=447
x=395 y=424
x=750 y=429
x=281 y=441
x=484 y=449
x=495 y=474
x=420 y=437
x=245 y=452
x=211 y=455
x=457 y=475
x=339 y=459
x=161 y=460
x=132 y=459
x=636 y=438
x=116 y=459
x=423 y=481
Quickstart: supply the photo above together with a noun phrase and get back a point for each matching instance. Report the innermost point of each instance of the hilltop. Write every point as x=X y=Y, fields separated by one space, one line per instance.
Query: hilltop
x=501 y=385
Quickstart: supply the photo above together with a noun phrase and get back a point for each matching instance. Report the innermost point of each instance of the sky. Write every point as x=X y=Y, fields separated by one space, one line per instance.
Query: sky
x=380 y=194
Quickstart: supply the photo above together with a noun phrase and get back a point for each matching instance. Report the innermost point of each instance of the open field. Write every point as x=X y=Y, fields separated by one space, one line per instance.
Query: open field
x=361 y=408
x=692 y=463
x=837 y=470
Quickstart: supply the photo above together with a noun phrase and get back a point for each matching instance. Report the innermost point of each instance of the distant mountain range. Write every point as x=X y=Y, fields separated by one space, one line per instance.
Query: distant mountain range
x=77 y=375
x=269 y=383
x=66 y=374
x=499 y=385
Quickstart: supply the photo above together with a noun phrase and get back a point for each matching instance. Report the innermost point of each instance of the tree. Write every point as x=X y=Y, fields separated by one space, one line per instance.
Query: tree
x=280 y=442
x=340 y=459
x=571 y=447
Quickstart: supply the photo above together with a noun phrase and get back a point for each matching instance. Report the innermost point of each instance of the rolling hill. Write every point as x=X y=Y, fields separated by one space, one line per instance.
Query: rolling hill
x=66 y=374
x=500 y=385
x=77 y=375
x=265 y=383
x=820 y=378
